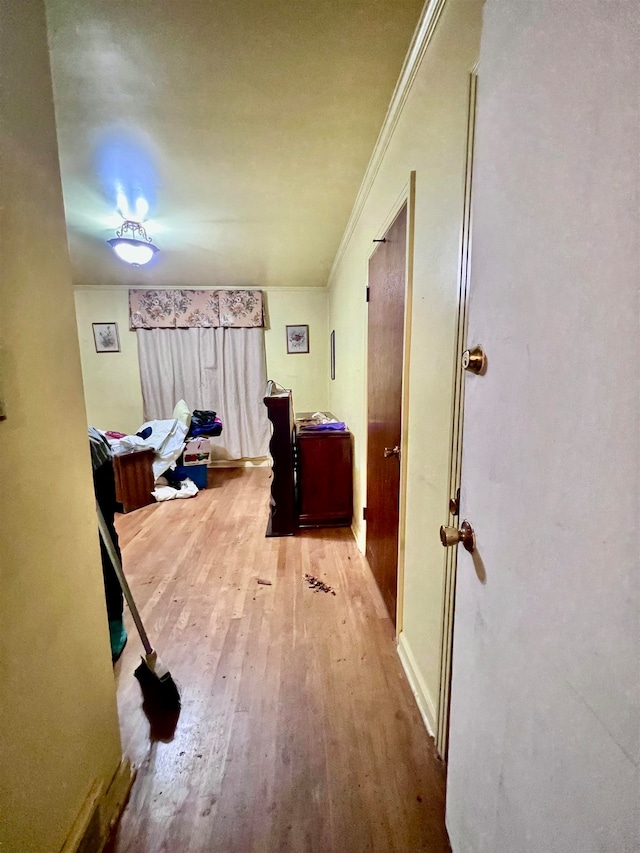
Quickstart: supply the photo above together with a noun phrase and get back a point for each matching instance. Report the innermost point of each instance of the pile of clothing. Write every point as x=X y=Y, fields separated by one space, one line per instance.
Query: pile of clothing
x=319 y=421
x=167 y=438
x=204 y=423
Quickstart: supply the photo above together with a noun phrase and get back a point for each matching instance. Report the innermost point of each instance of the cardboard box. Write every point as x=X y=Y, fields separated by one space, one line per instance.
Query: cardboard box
x=196 y=451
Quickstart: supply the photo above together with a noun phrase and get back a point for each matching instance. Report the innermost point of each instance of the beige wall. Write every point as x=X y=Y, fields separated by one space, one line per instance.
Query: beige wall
x=58 y=722
x=113 y=397
x=429 y=138
x=306 y=375
x=112 y=381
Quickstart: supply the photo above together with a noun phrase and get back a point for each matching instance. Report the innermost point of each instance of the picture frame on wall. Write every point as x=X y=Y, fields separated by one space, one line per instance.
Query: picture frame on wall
x=332 y=351
x=297 y=339
x=105 y=337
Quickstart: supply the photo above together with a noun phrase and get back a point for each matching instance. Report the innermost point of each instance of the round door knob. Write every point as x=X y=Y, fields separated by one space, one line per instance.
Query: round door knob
x=474 y=360
x=449 y=536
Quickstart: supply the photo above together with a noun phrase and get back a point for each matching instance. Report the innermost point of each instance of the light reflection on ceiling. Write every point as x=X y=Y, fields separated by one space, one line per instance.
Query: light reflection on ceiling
x=244 y=127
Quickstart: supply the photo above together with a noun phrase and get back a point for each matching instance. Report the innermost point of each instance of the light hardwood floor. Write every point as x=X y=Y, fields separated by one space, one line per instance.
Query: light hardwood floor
x=298 y=730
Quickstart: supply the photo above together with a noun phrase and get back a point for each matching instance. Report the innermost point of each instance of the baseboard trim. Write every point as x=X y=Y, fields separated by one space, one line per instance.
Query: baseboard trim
x=418 y=687
x=259 y=462
x=85 y=829
x=117 y=794
x=359 y=536
x=100 y=811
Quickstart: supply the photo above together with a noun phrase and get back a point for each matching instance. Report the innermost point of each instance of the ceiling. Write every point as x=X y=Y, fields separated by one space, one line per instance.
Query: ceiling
x=245 y=126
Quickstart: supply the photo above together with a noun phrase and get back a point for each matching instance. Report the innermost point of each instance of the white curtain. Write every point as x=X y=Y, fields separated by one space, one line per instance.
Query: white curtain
x=209 y=368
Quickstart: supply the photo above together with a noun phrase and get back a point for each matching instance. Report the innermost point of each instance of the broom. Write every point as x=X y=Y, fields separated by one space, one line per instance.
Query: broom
x=151 y=673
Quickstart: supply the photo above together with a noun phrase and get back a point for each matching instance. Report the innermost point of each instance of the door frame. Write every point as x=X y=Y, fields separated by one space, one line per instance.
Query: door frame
x=406 y=196
x=457 y=425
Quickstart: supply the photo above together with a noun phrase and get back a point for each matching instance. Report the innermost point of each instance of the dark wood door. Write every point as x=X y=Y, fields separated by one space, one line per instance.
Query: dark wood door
x=387 y=270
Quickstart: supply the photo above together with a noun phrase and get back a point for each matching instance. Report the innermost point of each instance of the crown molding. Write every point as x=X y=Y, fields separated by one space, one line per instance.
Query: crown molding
x=417 y=49
x=110 y=288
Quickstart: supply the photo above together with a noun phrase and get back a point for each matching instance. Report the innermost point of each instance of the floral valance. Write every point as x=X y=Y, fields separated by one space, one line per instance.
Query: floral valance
x=187 y=309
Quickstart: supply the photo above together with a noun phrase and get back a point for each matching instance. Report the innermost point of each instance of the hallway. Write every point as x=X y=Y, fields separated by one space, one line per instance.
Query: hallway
x=298 y=730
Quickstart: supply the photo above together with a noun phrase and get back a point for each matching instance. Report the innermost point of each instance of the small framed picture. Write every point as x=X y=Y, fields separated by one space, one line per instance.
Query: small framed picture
x=297 y=339
x=332 y=353
x=106 y=337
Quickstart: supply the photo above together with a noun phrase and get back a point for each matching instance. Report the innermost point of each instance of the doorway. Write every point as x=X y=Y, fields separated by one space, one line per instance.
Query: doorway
x=386 y=318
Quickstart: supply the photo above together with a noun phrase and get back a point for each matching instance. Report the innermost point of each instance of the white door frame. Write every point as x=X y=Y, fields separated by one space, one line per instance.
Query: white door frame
x=457 y=418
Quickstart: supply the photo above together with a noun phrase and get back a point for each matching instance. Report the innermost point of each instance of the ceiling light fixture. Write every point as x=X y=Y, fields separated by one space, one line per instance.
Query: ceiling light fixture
x=132 y=245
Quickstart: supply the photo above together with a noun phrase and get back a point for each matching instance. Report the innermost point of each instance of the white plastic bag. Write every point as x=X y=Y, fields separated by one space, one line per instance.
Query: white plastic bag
x=188 y=489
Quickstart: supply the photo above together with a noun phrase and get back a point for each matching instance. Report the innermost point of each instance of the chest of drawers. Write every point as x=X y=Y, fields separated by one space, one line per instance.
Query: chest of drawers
x=323 y=477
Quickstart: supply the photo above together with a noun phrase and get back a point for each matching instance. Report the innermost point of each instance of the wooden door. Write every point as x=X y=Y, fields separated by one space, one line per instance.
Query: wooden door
x=543 y=752
x=387 y=276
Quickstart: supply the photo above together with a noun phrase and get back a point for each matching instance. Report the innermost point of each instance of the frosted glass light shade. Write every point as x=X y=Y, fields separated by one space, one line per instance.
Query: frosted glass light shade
x=133 y=252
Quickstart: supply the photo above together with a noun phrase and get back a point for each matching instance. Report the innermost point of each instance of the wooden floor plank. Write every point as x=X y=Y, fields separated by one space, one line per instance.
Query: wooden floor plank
x=298 y=730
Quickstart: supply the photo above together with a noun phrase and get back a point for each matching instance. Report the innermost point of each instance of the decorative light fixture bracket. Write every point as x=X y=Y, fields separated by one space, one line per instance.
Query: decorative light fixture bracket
x=132 y=244
x=133 y=230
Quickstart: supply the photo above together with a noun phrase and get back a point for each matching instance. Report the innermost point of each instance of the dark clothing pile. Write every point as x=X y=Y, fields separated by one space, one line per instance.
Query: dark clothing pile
x=204 y=423
x=105 y=491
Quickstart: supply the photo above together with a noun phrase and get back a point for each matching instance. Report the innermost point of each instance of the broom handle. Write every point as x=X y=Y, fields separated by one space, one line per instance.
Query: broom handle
x=117 y=565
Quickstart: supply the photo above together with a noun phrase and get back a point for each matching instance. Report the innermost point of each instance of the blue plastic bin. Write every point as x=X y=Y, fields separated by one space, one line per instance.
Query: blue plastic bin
x=197 y=473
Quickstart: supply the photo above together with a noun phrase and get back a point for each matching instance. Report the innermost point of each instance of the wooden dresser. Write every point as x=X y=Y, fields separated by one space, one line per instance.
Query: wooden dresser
x=324 y=476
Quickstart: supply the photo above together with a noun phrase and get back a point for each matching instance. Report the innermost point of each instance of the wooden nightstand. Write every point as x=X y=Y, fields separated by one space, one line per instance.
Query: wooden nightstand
x=133 y=473
x=324 y=476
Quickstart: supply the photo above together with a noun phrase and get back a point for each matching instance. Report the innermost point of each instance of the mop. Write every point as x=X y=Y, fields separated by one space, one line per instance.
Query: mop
x=151 y=672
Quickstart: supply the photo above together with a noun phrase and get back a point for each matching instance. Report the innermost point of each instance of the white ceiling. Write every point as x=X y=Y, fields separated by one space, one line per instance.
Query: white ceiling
x=247 y=125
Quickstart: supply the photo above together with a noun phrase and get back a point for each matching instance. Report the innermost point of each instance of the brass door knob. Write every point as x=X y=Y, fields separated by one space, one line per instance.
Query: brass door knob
x=391 y=451
x=474 y=360
x=449 y=536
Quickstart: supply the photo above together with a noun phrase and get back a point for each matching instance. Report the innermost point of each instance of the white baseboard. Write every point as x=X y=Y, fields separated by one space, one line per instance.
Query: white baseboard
x=100 y=811
x=359 y=534
x=260 y=462
x=416 y=682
